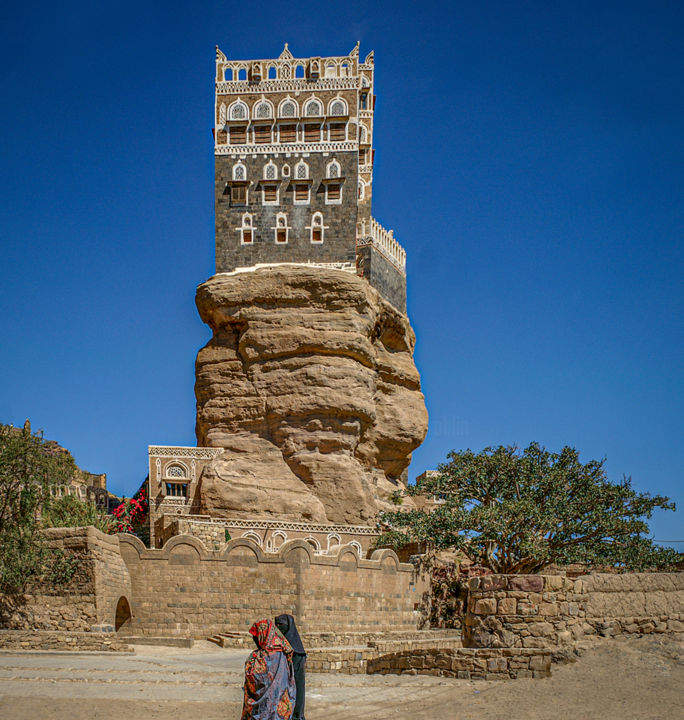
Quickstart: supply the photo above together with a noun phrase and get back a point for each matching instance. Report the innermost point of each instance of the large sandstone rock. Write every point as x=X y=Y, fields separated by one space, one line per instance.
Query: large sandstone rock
x=309 y=384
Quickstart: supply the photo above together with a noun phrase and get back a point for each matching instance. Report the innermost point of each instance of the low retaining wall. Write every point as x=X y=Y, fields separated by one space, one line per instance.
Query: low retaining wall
x=71 y=641
x=468 y=664
x=186 y=589
x=537 y=611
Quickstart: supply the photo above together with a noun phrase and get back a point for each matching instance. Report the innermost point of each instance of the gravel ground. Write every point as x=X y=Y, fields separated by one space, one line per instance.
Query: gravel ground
x=616 y=679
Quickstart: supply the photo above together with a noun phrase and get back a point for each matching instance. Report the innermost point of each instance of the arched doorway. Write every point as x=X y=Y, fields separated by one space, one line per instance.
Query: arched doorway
x=123 y=613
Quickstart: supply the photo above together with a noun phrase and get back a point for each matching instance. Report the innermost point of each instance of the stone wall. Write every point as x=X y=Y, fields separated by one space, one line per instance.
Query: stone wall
x=89 y=601
x=388 y=280
x=55 y=640
x=185 y=589
x=536 y=611
x=467 y=664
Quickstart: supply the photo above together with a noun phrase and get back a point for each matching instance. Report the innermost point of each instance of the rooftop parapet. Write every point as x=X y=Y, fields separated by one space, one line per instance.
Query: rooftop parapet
x=374 y=234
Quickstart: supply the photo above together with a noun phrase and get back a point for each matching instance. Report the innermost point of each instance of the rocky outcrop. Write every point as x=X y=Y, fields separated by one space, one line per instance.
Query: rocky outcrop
x=309 y=384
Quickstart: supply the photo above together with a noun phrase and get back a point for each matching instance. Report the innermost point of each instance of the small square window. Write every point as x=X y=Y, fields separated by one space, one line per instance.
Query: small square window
x=334 y=192
x=281 y=235
x=288 y=133
x=301 y=193
x=238 y=135
x=238 y=194
x=312 y=133
x=247 y=237
x=316 y=235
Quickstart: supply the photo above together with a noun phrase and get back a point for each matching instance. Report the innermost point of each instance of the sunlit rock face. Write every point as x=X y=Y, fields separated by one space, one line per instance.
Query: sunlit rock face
x=310 y=386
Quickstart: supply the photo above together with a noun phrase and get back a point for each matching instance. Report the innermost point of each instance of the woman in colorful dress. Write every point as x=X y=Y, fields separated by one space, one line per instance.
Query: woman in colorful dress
x=270 y=691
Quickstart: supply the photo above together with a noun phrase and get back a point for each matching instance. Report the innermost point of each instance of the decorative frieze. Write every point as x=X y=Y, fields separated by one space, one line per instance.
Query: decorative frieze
x=285 y=149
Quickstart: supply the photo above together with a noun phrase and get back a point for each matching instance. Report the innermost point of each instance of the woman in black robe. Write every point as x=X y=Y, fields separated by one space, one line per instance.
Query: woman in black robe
x=286 y=625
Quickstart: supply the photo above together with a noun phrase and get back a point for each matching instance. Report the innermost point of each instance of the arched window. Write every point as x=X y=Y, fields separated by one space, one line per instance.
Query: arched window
x=270 y=171
x=345 y=69
x=313 y=108
x=363 y=135
x=263 y=110
x=239 y=111
x=286 y=170
x=330 y=70
x=337 y=107
x=288 y=108
x=281 y=229
x=277 y=539
x=251 y=535
x=362 y=190
x=239 y=172
x=299 y=71
x=316 y=228
x=176 y=471
x=228 y=74
x=314 y=544
x=358 y=547
x=272 y=74
x=247 y=230
x=301 y=183
x=242 y=74
x=334 y=541
x=332 y=169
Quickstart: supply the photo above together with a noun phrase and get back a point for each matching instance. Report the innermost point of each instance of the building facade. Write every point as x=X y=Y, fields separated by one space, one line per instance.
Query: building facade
x=294 y=168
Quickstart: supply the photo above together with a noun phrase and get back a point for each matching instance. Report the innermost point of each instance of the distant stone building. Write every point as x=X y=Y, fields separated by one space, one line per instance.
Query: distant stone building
x=294 y=168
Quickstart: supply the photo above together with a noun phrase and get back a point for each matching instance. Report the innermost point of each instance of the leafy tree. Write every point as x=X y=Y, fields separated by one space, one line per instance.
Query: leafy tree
x=70 y=511
x=517 y=512
x=28 y=468
x=131 y=515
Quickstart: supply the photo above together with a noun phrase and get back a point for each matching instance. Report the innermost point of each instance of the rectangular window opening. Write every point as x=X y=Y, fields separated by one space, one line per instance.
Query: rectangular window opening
x=316 y=235
x=238 y=194
x=262 y=134
x=270 y=193
x=337 y=131
x=301 y=193
x=238 y=135
x=281 y=235
x=246 y=236
x=334 y=191
x=288 y=133
x=312 y=133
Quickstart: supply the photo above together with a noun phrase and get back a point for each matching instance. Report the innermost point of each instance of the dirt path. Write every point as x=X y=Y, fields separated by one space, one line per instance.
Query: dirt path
x=612 y=680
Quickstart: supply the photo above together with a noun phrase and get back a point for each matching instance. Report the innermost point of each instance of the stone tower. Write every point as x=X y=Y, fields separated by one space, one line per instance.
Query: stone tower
x=294 y=168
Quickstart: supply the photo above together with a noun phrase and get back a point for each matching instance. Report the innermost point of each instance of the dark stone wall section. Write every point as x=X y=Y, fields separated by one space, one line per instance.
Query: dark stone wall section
x=383 y=276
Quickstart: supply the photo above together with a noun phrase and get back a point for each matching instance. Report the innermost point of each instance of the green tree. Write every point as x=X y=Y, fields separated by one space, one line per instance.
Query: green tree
x=517 y=512
x=28 y=469
x=70 y=511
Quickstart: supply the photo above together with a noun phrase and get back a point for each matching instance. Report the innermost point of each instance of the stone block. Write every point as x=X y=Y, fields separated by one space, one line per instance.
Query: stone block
x=493 y=582
x=486 y=606
x=507 y=606
x=528 y=583
x=548 y=609
x=497 y=665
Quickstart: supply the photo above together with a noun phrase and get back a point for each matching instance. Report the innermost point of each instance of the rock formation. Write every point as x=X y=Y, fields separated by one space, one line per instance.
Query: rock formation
x=309 y=384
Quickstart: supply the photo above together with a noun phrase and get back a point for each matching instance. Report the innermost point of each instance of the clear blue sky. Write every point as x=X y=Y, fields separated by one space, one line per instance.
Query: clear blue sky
x=530 y=158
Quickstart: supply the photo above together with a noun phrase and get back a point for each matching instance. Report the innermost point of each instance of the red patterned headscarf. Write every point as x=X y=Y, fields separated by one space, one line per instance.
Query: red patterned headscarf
x=269 y=638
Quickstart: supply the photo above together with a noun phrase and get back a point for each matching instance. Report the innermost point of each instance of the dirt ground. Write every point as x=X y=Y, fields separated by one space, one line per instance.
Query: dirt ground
x=612 y=679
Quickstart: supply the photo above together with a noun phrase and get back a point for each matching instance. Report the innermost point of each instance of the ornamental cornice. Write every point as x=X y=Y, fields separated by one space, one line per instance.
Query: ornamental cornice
x=269 y=149
x=282 y=525
x=170 y=451
x=240 y=87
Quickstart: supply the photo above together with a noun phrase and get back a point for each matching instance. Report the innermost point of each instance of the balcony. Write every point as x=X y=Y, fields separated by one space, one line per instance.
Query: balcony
x=375 y=235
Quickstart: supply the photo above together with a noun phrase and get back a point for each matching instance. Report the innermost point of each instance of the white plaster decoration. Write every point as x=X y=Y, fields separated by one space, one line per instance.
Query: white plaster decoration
x=158 y=466
x=238 y=111
x=313 y=108
x=253 y=536
x=362 y=190
x=239 y=172
x=349 y=267
x=300 y=147
x=263 y=110
x=281 y=229
x=314 y=544
x=286 y=170
x=301 y=171
x=176 y=470
x=383 y=241
x=317 y=224
x=240 y=523
x=246 y=229
x=334 y=541
x=358 y=547
x=270 y=171
x=330 y=69
x=363 y=135
x=171 y=451
x=288 y=108
x=332 y=169
x=289 y=85
x=193 y=469
x=337 y=107
x=222 y=115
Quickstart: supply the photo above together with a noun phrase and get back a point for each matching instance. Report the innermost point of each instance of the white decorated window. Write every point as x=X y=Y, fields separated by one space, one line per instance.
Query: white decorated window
x=288 y=108
x=333 y=169
x=362 y=190
x=330 y=70
x=239 y=172
x=301 y=171
x=263 y=110
x=313 y=108
x=239 y=111
x=281 y=230
x=222 y=115
x=247 y=230
x=337 y=107
x=316 y=228
x=270 y=171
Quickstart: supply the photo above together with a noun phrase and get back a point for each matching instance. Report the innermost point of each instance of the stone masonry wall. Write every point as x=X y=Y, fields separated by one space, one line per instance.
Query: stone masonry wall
x=536 y=611
x=383 y=276
x=185 y=589
x=88 y=601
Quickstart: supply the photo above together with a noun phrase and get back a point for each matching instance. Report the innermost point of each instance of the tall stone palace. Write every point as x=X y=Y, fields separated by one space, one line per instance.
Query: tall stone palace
x=308 y=399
